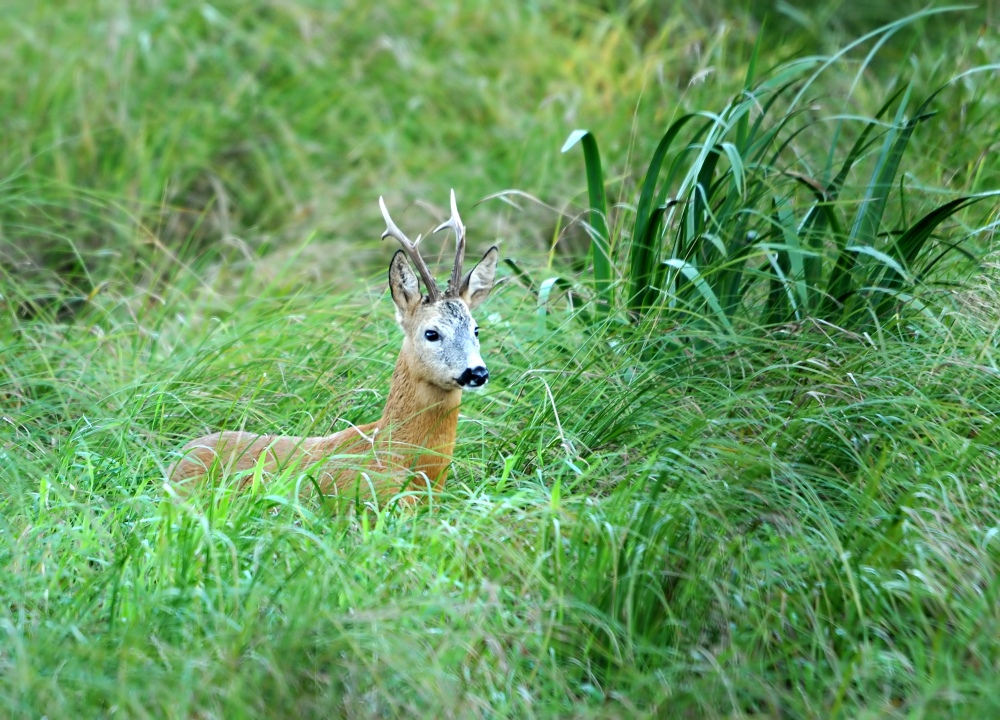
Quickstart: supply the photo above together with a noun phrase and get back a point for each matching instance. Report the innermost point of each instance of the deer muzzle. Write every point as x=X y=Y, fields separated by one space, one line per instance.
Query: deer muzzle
x=474 y=377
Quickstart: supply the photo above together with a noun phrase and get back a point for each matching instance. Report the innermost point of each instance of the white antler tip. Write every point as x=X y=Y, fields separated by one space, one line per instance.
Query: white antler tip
x=455 y=221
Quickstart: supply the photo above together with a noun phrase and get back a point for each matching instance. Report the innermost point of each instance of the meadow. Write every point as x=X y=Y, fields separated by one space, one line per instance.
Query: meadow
x=739 y=449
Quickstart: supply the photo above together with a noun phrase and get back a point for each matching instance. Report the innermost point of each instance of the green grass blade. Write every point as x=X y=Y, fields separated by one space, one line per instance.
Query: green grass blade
x=730 y=274
x=819 y=216
x=885 y=31
x=644 y=256
x=756 y=143
x=884 y=258
x=599 y=235
x=862 y=143
x=737 y=167
x=868 y=219
x=521 y=275
x=841 y=283
x=781 y=289
x=909 y=245
x=545 y=290
x=698 y=281
x=742 y=125
x=796 y=258
x=701 y=193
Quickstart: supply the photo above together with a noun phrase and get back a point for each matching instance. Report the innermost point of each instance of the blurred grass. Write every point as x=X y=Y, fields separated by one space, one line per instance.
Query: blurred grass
x=127 y=126
x=270 y=121
x=675 y=523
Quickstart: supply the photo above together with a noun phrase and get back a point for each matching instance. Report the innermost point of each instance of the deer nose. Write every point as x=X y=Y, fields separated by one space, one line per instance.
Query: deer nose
x=474 y=377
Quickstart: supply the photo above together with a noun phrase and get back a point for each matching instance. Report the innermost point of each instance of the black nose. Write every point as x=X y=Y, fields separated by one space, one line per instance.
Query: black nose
x=474 y=377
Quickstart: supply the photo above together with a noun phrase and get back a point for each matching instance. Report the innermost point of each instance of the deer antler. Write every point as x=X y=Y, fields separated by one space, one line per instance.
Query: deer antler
x=455 y=223
x=410 y=248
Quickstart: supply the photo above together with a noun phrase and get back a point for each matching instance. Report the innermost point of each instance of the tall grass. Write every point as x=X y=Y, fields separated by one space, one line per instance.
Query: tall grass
x=801 y=526
x=670 y=518
x=746 y=208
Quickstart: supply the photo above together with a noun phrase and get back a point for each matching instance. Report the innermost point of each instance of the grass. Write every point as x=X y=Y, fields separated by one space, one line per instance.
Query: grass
x=652 y=518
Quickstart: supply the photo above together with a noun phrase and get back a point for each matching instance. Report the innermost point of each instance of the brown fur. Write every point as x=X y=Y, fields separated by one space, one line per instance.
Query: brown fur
x=416 y=432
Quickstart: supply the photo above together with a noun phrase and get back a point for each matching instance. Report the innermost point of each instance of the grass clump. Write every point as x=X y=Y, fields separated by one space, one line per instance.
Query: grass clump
x=669 y=517
x=751 y=205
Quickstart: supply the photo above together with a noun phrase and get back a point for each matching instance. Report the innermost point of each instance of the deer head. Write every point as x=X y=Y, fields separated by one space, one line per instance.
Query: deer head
x=442 y=338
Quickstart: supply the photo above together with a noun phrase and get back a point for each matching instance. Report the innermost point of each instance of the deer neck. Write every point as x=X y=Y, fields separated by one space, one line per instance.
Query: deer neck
x=420 y=415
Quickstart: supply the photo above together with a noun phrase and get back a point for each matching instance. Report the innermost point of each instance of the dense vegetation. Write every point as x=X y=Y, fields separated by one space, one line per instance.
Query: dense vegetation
x=738 y=455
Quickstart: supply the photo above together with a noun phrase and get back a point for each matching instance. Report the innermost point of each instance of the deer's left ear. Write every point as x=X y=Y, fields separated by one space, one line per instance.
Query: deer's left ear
x=476 y=285
x=403 y=285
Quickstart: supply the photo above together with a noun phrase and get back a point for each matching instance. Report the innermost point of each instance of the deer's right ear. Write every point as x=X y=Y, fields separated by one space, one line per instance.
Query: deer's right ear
x=403 y=284
x=479 y=281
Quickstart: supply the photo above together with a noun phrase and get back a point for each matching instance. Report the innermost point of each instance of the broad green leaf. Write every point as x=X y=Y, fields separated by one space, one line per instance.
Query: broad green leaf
x=598 y=227
x=644 y=256
x=883 y=258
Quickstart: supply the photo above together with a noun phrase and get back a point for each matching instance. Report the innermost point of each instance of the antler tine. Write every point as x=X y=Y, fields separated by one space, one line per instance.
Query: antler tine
x=455 y=223
x=410 y=248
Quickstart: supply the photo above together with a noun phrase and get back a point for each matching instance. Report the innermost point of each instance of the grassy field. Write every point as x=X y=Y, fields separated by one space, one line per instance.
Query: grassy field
x=748 y=495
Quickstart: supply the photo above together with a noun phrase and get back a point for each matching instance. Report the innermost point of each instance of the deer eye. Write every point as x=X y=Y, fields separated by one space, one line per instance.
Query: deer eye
x=432 y=335
x=476 y=331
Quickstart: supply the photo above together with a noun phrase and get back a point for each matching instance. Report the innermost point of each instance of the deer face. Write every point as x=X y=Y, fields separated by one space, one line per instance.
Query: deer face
x=442 y=337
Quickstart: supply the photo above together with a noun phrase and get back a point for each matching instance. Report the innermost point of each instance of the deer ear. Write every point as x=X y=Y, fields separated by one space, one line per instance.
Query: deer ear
x=476 y=285
x=403 y=284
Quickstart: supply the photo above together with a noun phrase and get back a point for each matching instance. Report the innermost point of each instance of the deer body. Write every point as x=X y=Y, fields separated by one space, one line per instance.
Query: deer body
x=417 y=431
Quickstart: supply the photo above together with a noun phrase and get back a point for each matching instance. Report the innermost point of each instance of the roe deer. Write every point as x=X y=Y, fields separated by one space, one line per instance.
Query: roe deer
x=440 y=356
